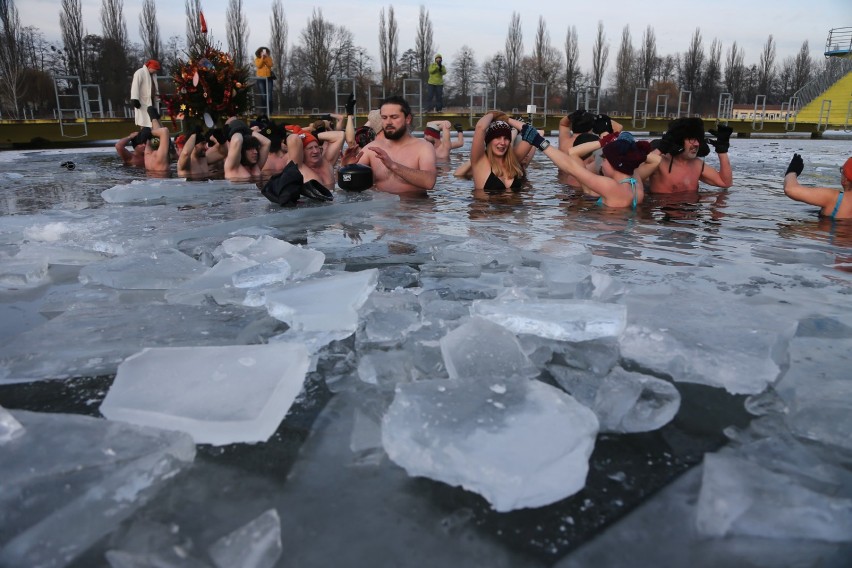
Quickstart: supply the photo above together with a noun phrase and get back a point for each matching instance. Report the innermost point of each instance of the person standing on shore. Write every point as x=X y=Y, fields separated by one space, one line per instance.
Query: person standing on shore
x=144 y=92
x=435 y=84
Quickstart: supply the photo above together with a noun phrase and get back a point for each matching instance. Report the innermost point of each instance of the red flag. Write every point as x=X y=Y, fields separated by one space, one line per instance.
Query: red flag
x=203 y=22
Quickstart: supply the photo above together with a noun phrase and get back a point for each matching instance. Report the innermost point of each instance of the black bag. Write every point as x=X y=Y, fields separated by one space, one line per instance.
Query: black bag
x=272 y=76
x=284 y=188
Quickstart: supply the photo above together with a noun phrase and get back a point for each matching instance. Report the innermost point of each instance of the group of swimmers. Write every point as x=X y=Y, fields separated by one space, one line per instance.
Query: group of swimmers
x=594 y=153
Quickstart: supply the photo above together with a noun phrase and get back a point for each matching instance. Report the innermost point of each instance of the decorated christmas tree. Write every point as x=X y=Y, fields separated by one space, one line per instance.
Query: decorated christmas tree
x=210 y=83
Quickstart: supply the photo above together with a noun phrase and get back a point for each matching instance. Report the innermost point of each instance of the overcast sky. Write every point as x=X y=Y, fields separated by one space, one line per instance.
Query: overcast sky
x=482 y=25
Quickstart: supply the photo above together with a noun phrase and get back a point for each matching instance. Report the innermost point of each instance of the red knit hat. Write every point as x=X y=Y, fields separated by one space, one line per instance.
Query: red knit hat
x=847 y=169
x=307 y=138
x=153 y=65
x=433 y=132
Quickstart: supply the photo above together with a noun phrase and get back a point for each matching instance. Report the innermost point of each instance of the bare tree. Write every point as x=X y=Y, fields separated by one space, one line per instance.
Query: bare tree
x=647 y=58
x=691 y=64
x=113 y=54
x=711 y=77
x=492 y=74
x=278 y=45
x=572 y=64
x=324 y=46
x=388 y=47
x=547 y=64
x=12 y=65
x=600 y=55
x=196 y=39
x=766 y=70
x=624 y=70
x=803 y=68
x=423 y=44
x=464 y=71
x=734 y=72
x=237 y=31
x=514 y=56
x=149 y=31
x=73 y=34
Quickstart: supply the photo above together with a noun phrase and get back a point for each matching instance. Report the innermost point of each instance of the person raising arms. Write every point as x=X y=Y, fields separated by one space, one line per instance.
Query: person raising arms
x=247 y=152
x=830 y=201
x=400 y=162
x=495 y=161
x=683 y=145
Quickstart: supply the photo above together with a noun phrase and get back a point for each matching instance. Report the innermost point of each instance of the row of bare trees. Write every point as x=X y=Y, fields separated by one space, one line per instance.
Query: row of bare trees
x=307 y=68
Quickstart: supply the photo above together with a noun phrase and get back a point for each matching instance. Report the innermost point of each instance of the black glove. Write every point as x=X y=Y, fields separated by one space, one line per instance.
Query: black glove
x=531 y=135
x=723 y=138
x=668 y=145
x=198 y=131
x=135 y=103
x=153 y=113
x=602 y=124
x=217 y=134
x=796 y=165
x=350 y=104
x=458 y=127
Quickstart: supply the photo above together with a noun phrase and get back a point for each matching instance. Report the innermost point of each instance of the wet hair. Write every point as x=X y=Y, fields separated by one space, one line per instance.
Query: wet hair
x=249 y=143
x=507 y=166
x=397 y=100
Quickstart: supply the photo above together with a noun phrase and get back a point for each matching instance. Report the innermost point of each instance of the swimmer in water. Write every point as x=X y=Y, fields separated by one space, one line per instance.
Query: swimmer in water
x=830 y=201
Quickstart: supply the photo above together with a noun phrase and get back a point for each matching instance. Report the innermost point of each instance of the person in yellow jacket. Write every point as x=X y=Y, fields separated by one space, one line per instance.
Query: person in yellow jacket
x=435 y=86
x=263 y=62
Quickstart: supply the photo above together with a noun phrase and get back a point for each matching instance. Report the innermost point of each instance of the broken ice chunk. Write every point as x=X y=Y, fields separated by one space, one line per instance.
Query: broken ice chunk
x=158 y=270
x=218 y=395
x=323 y=304
x=255 y=545
x=9 y=427
x=517 y=443
x=480 y=348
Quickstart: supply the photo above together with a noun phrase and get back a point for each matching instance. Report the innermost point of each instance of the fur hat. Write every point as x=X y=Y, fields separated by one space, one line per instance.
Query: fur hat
x=625 y=154
x=689 y=127
x=497 y=129
x=581 y=121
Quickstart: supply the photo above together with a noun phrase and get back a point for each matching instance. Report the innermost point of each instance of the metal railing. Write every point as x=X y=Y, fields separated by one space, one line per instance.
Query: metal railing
x=822 y=82
x=839 y=42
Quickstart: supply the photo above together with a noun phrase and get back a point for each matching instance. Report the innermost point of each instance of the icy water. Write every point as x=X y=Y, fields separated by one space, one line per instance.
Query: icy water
x=719 y=275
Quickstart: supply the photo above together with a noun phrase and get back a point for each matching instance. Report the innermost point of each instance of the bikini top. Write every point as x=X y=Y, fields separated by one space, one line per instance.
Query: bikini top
x=632 y=182
x=836 y=205
x=495 y=183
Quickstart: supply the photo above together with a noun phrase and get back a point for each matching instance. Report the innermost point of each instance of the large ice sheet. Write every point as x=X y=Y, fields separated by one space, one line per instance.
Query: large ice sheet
x=323 y=304
x=480 y=252
x=69 y=480
x=89 y=341
x=216 y=283
x=741 y=497
x=218 y=395
x=563 y=320
x=303 y=261
x=171 y=191
x=158 y=270
x=517 y=443
x=732 y=345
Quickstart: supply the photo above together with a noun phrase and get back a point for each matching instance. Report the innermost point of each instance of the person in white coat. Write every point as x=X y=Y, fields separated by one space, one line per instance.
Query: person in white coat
x=144 y=92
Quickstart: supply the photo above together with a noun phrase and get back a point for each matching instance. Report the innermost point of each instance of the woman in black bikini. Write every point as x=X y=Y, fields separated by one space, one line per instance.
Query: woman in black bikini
x=495 y=161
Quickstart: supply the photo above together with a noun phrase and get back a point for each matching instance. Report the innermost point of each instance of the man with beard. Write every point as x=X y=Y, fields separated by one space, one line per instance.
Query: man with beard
x=683 y=146
x=400 y=162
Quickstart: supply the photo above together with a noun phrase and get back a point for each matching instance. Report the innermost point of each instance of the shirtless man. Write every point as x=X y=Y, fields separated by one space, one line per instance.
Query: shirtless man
x=137 y=141
x=681 y=168
x=401 y=163
x=157 y=148
x=247 y=152
x=316 y=162
x=192 y=161
x=437 y=133
x=278 y=157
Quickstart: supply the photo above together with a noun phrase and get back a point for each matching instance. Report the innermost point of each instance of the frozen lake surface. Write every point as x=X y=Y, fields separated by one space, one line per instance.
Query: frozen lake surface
x=518 y=380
